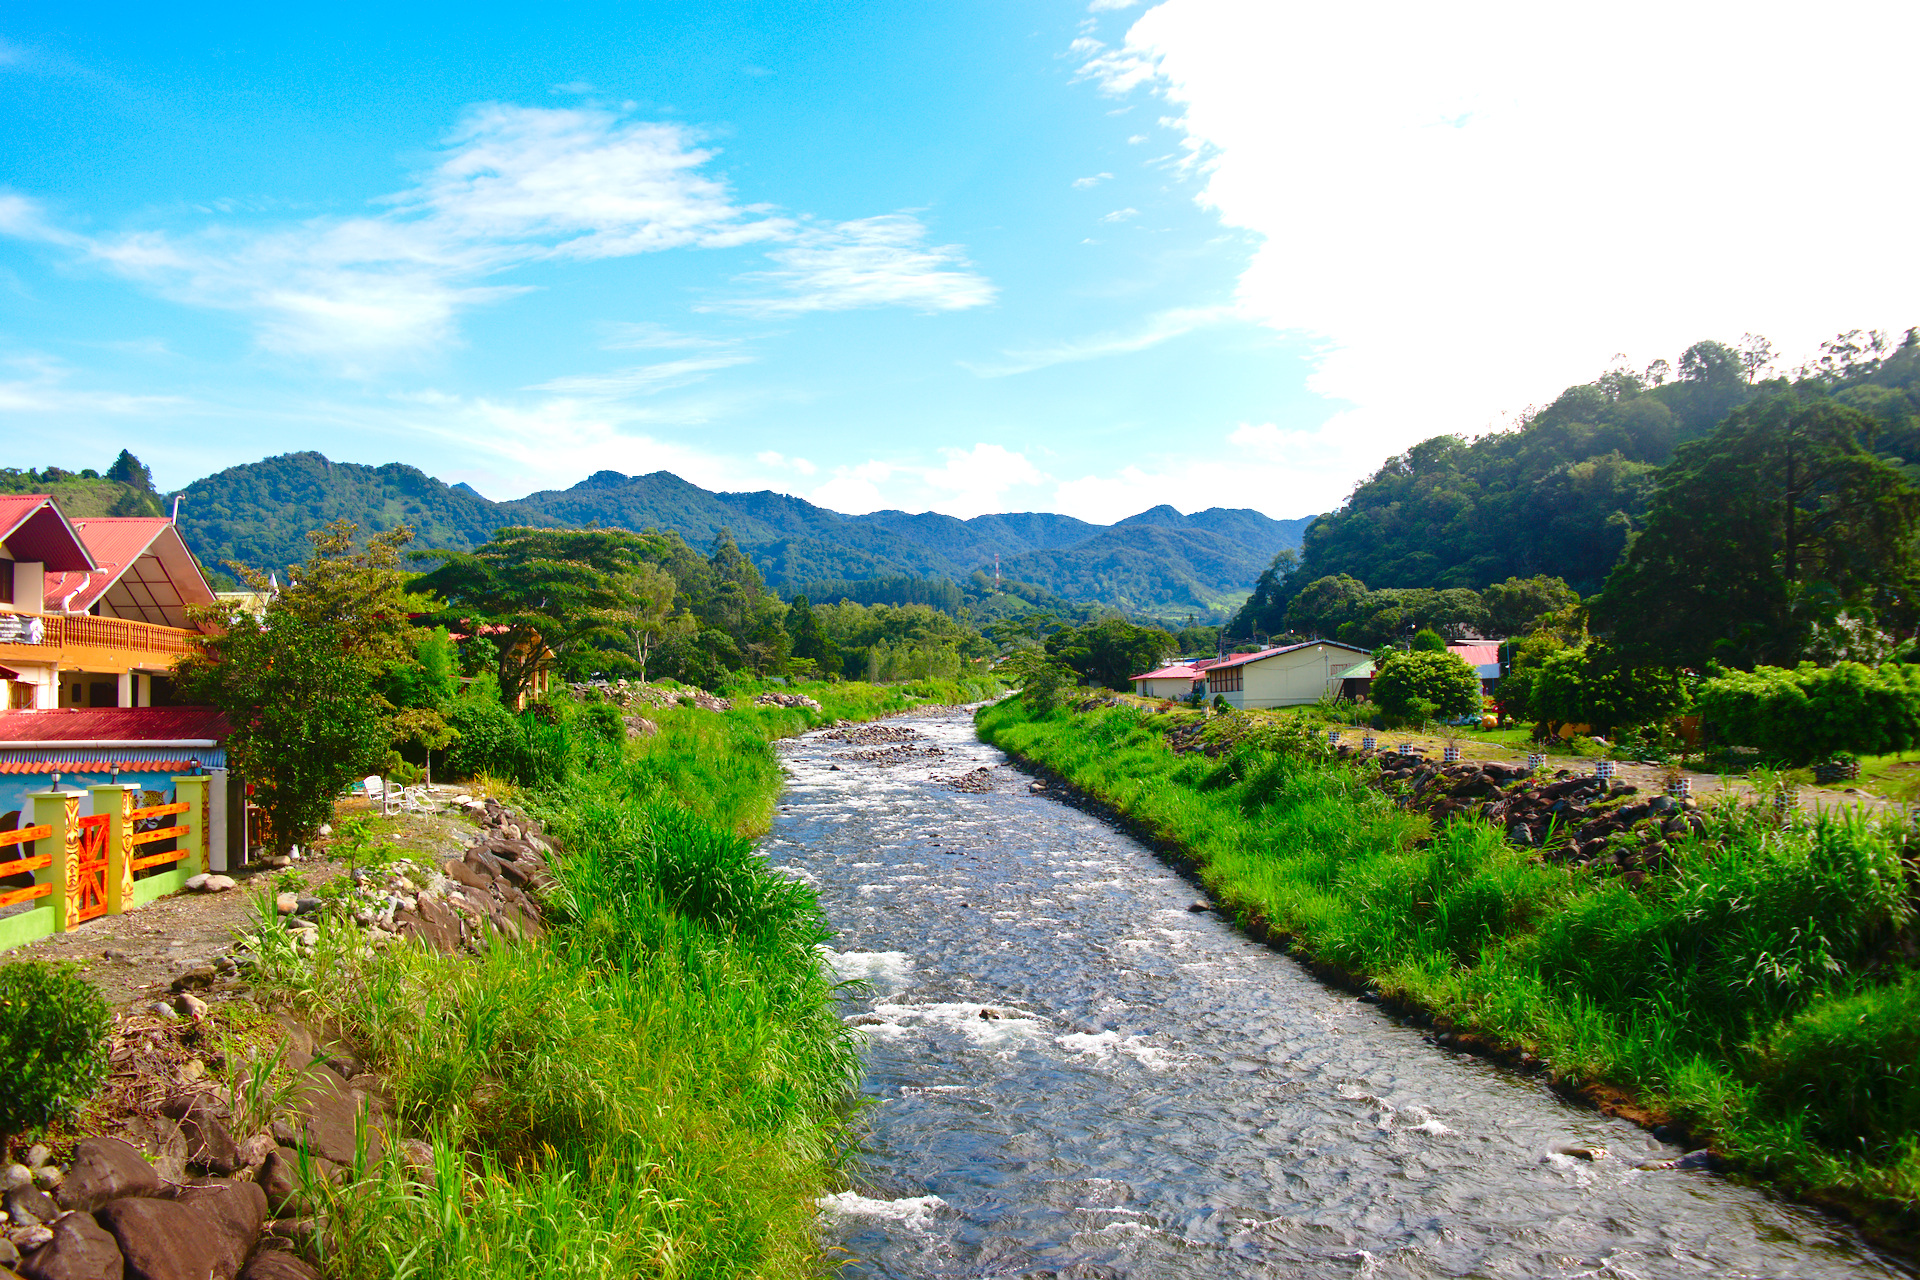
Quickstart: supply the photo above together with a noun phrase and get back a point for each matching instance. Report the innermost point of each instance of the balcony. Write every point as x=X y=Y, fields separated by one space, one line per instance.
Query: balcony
x=89 y=643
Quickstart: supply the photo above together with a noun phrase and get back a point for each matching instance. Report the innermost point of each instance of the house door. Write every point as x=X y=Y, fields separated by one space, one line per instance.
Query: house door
x=93 y=867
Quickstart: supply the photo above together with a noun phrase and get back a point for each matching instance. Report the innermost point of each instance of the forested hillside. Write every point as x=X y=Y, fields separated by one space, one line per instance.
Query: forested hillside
x=259 y=514
x=1561 y=494
x=1159 y=560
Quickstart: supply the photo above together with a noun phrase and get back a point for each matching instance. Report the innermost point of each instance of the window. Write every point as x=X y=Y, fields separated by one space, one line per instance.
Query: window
x=1225 y=680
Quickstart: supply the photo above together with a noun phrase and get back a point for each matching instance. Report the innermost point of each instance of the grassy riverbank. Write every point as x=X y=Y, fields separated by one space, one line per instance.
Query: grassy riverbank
x=1763 y=993
x=658 y=1088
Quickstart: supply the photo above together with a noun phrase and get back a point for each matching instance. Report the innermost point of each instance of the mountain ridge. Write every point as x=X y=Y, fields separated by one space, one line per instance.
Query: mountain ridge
x=258 y=513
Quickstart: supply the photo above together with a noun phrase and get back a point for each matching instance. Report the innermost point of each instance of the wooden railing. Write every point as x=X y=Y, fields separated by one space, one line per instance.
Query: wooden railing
x=85 y=631
x=17 y=865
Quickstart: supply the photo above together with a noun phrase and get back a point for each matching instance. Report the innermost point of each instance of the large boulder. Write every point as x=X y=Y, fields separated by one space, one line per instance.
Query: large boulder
x=234 y=1212
x=105 y=1169
x=161 y=1240
x=278 y=1264
x=209 y=1145
x=80 y=1250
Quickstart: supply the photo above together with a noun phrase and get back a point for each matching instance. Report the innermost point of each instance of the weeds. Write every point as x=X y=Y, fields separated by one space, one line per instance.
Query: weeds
x=1757 y=990
x=660 y=1087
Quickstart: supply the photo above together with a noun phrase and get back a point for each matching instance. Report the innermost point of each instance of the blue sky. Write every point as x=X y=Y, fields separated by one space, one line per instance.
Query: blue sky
x=970 y=257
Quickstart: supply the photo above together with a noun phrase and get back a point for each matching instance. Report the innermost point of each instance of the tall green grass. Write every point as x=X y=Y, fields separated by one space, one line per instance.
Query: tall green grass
x=657 y=1088
x=1762 y=992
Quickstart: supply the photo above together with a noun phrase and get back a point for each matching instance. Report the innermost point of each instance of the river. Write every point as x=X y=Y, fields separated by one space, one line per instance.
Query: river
x=1072 y=1074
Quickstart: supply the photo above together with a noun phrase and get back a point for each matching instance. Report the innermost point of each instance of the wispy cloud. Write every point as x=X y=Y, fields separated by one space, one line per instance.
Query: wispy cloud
x=967 y=482
x=512 y=186
x=1120 y=215
x=1158 y=328
x=36 y=383
x=647 y=336
x=871 y=262
x=1084 y=184
x=648 y=379
x=1103 y=6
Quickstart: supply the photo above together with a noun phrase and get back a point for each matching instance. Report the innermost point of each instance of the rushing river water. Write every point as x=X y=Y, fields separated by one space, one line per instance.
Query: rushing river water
x=1073 y=1075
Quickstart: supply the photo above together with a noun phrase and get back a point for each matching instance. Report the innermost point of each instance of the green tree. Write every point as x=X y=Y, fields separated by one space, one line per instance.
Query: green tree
x=1516 y=606
x=303 y=717
x=1773 y=526
x=810 y=642
x=1424 y=685
x=1594 y=685
x=1112 y=651
x=551 y=593
x=1265 y=611
x=129 y=470
x=1427 y=641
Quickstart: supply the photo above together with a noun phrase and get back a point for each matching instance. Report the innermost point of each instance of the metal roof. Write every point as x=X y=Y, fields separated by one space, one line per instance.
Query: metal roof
x=32 y=527
x=1241 y=659
x=145 y=572
x=100 y=725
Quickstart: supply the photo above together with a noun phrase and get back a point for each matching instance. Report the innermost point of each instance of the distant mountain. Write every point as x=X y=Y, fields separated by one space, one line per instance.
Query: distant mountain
x=258 y=514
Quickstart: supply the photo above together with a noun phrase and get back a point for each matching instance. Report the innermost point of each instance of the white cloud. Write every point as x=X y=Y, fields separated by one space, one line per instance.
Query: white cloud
x=41 y=384
x=1083 y=184
x=1158 y=328
x=646 y=336
x=512 y=186
x=648 y=379
x=1103 y=6
x=773 y=458
x=967 y=483
x=872 y=262
x=1471 y=209
x=1120 y=215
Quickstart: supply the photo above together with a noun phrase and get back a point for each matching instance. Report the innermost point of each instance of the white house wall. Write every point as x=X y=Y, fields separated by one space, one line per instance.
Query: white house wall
x=1290 y=679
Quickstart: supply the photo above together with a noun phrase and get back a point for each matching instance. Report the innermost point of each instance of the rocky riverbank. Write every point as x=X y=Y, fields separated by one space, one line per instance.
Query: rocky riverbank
x=226 y=1126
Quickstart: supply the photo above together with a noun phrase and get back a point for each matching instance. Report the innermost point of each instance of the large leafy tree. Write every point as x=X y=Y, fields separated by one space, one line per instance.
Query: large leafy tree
x=1776 y=524
x=1424 y=685
x=544 y=595
x=1112 y=651
x=304 y=718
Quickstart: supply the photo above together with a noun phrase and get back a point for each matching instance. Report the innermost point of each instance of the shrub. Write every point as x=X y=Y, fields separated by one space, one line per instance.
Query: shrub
x=53 y=1055
x=1421 y=685
x=1809 y=713
x=487 y=738
x=1590 y=685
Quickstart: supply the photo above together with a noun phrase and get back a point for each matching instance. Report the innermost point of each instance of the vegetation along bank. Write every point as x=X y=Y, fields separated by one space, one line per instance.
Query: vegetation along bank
x=659 y=1085
x=1755 y=985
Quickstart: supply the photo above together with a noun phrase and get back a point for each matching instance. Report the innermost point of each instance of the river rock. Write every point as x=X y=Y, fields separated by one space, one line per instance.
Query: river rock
x=105 y=1169
x=80 y=1249
x=209 y=1145
x=26 y=1206
x=278 y=1264
x=234 y=1212
x=286 y=903
x=161 y=1240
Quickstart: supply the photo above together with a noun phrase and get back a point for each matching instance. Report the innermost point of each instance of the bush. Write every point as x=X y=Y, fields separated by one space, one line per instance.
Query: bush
x=487 y=739
x=1423 y=685
x=1809 y=713
x=53 y=1054
x=1592 y=686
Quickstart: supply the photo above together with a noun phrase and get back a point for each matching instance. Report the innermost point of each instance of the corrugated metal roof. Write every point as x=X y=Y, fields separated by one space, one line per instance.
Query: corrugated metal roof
x=1241 y=659
x=34 y=528
x=145 y=572
x=113 y=724
x=1174 y=672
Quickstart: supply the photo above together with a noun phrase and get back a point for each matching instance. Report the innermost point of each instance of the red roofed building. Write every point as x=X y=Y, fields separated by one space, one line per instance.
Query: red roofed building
x=92 y=611
x=146 y=747
x=1173 y=681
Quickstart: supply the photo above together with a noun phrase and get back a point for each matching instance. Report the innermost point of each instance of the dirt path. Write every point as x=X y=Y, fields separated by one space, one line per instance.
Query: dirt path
x=139 y=954
x=1651 y=779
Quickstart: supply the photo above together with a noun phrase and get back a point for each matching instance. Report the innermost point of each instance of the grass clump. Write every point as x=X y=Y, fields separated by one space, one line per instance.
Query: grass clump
x=1760 y=991
x=53 y=1052
x=659 y=1087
